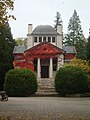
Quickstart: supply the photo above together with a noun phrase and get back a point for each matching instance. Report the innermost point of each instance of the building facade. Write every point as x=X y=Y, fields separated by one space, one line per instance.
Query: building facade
x=44 y=54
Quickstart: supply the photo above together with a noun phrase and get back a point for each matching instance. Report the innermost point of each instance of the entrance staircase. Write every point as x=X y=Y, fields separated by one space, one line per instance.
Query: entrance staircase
x=46 y=88
x=46 y=85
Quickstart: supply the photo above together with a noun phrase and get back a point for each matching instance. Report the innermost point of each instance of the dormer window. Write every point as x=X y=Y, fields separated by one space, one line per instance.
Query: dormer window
x=44 y=39
x=40 y=39
x=35 y=39
x=53 y=39
x=49 y=39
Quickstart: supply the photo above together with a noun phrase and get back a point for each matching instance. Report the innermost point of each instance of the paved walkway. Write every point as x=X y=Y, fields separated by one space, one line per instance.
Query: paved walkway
x=45 y=108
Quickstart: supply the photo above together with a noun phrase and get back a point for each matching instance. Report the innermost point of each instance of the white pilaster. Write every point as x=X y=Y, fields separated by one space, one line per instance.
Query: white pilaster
x=46 y=39
x=51 y=69
x=60 y=61
x=38 y=69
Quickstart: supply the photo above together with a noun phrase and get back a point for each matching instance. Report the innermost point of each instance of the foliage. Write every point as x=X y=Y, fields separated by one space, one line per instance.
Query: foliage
x=21 y=41
x=6 y=51
x=83 y=64
x=24 y=63
x=20 y=82
x=75 y=36
x=58 y=20
x=5 y=7
x=71 y=79
x=88 y=49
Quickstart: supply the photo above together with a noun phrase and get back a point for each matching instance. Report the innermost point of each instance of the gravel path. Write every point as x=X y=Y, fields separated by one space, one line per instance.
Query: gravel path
x=45 y=108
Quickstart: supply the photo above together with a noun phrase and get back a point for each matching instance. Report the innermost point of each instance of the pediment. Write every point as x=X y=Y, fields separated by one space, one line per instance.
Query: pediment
x=44 y=48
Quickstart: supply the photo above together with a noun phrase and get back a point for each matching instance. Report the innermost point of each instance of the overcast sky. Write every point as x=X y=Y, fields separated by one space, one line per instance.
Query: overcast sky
x=43 y=12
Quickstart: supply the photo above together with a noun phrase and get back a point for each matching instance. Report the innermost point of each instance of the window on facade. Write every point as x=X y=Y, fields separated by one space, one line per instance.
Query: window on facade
x=35 y=39
x=44 y=39
x=49 y=39
x=40 y=39
x=53 y=39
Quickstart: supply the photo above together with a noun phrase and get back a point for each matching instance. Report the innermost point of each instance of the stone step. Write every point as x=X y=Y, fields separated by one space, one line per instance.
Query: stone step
x=46 y=85
x=43 y=89
x=46 y=93
x=46 y=88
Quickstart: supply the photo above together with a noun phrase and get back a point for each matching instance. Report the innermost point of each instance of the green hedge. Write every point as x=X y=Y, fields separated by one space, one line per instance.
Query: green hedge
x=20 y=82
x=71 y=79
x=88 y=84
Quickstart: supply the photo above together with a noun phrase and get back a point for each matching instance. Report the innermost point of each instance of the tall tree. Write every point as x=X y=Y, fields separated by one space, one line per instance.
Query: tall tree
x=88 y=48
x=75 y=36
x=21 y=41
x=6 y=51
x=5 y=7
x=57 y=20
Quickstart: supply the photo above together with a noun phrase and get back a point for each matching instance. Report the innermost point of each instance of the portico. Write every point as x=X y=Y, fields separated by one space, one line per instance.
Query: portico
x=45 y=68
x=47 y=59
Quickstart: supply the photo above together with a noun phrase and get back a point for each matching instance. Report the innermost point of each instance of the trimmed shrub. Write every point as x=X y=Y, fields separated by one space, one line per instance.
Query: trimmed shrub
x=84 y=65
x=71 y=79
x=88 y=84
x=20 y=82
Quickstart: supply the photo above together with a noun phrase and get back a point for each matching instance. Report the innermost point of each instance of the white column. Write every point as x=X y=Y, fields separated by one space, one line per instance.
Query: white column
x=38 y=69
x=51 y=69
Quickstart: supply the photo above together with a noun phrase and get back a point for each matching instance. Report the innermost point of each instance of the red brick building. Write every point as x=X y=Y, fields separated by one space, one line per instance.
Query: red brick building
x=44 y=53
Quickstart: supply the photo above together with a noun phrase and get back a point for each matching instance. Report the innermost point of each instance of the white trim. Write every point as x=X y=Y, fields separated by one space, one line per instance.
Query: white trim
x=38 y=68
x=51 y=69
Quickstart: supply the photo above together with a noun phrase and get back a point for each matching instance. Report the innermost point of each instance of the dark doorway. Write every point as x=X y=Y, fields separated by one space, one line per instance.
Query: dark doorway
x=44 y=71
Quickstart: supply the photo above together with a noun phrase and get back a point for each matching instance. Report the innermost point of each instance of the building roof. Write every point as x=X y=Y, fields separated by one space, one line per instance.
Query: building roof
x=22 y=49
x=69 y=49
x=19 y=49
x=44 y=48
x=44 y=30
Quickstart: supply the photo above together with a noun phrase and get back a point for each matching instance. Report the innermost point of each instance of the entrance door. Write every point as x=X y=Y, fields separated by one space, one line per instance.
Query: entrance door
x=44 y=71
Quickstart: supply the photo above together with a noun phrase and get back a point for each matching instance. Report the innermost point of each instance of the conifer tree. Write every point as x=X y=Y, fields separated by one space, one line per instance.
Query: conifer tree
x=75 y=36
x=6 y=51
x=57 y=20
x=88 y=48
